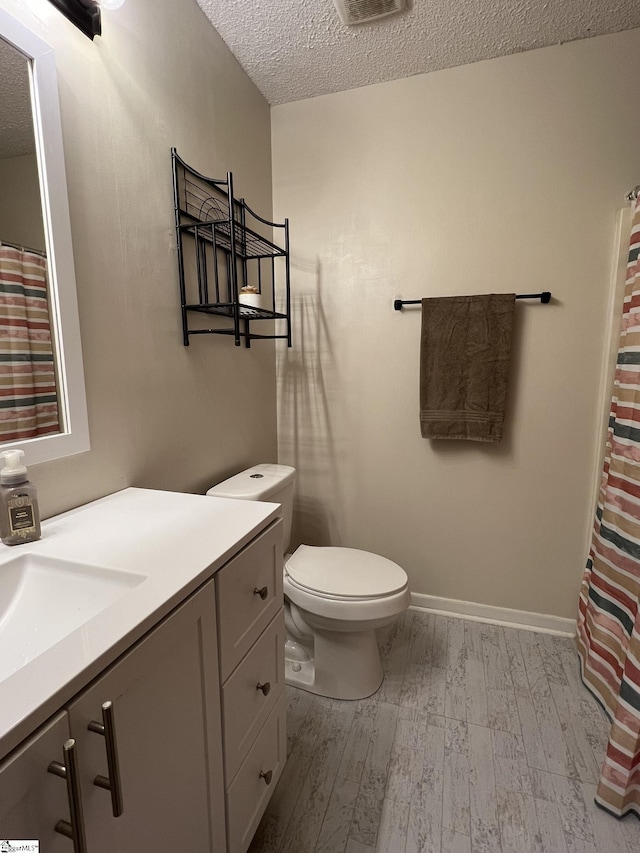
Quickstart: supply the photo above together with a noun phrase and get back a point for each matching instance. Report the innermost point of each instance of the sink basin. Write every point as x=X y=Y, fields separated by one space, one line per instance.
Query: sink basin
x=44 y=599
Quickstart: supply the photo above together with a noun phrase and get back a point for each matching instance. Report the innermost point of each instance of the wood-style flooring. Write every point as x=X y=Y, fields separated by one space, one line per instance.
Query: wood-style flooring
x=481 y=739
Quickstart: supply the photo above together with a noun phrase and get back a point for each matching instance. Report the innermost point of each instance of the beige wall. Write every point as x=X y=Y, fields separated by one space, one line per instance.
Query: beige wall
x=500 y=176
x=20 y=208
x=160 y=415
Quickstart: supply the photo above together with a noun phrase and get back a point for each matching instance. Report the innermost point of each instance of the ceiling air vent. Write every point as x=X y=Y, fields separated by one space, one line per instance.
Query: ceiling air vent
x=359 y=11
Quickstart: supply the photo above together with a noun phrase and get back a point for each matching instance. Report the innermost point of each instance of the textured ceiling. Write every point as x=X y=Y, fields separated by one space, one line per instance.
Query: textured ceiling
x=295 y=49
x=16 y=126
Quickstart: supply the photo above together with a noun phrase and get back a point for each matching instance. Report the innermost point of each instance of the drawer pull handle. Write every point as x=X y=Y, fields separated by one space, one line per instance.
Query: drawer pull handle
x=107 y=728
x=73 y=829
x=263 y=593
x=266 y=687
x=268 y=776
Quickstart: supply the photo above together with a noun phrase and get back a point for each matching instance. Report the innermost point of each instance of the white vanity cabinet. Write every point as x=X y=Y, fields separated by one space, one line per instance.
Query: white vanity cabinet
x=178 y=744
x=163 y=725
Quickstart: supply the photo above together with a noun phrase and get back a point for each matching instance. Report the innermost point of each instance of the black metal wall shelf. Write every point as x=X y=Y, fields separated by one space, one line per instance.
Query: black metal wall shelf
x=219 y=255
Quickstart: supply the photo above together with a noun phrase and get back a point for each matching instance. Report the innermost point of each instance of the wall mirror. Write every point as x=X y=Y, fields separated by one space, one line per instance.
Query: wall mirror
x=42 y=393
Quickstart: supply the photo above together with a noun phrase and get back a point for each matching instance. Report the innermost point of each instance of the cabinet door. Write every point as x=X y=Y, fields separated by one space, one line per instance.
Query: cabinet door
x=32 y=800
x=164 y=695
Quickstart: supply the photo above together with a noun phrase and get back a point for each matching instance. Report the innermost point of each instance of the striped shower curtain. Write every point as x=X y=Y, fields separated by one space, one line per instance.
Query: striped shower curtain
x=28 y=393
x=609 y=607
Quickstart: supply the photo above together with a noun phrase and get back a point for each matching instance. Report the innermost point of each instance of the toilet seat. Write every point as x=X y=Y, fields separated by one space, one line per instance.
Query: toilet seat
x=344 y=574
x=327 y=595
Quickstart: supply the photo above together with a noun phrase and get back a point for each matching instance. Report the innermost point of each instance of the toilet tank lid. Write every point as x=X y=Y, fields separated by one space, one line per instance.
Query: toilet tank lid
x=255 y=484
x=345 y=572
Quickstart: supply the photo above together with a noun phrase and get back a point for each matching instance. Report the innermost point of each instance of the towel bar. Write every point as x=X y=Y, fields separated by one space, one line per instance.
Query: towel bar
x=544 y=297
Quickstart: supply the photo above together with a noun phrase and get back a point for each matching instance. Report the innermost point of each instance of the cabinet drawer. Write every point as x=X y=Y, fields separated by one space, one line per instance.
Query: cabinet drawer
x=243 y=613
x=245 y=706
x=249 y=793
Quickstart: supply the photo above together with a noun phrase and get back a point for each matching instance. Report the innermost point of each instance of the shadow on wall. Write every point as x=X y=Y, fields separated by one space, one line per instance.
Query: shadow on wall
x=308 y=383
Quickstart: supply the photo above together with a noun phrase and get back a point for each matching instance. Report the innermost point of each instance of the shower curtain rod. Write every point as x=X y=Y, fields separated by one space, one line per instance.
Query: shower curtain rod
x=633 y=195
x=544 y=297
x=23 y=248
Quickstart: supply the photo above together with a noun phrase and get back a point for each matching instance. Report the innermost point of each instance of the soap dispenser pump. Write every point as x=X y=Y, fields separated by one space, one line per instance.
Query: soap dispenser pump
x=19 y=516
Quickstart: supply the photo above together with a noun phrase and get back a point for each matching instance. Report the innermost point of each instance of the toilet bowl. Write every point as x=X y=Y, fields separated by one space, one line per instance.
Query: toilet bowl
x=335 y=599
x=338 y=598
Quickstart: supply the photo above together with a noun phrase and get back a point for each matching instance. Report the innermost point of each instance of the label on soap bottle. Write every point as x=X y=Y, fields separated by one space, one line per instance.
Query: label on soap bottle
x=21 y=514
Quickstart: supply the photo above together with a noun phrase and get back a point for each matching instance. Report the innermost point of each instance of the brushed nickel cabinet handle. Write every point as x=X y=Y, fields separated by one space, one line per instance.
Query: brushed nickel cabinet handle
x=267 y=776
x=112 y=783
x=263 y=593
x=266 y=687
x=73 y=829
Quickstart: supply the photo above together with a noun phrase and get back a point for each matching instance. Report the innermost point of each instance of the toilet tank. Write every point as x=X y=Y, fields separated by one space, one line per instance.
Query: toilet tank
x=265 y=482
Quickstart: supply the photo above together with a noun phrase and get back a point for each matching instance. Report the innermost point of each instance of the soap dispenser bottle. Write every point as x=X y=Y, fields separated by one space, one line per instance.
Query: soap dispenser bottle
x=19 y=516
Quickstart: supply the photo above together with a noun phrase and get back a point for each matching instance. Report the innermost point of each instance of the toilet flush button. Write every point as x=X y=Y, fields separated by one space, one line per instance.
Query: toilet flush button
x=296 y=667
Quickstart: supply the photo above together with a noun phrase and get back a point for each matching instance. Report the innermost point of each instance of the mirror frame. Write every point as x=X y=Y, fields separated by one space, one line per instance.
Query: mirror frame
x=65 y=324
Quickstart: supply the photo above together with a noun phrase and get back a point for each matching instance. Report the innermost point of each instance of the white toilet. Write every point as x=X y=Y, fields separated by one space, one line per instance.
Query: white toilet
x=335 y=598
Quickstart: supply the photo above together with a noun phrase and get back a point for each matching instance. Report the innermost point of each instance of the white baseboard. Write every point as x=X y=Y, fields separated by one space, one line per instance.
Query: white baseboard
x=523 y=619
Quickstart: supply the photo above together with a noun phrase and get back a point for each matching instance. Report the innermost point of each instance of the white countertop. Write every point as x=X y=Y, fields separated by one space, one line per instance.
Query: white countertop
x=176 y=540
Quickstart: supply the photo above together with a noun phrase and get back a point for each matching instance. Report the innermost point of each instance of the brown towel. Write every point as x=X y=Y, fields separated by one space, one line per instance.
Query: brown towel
x=464 y=364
